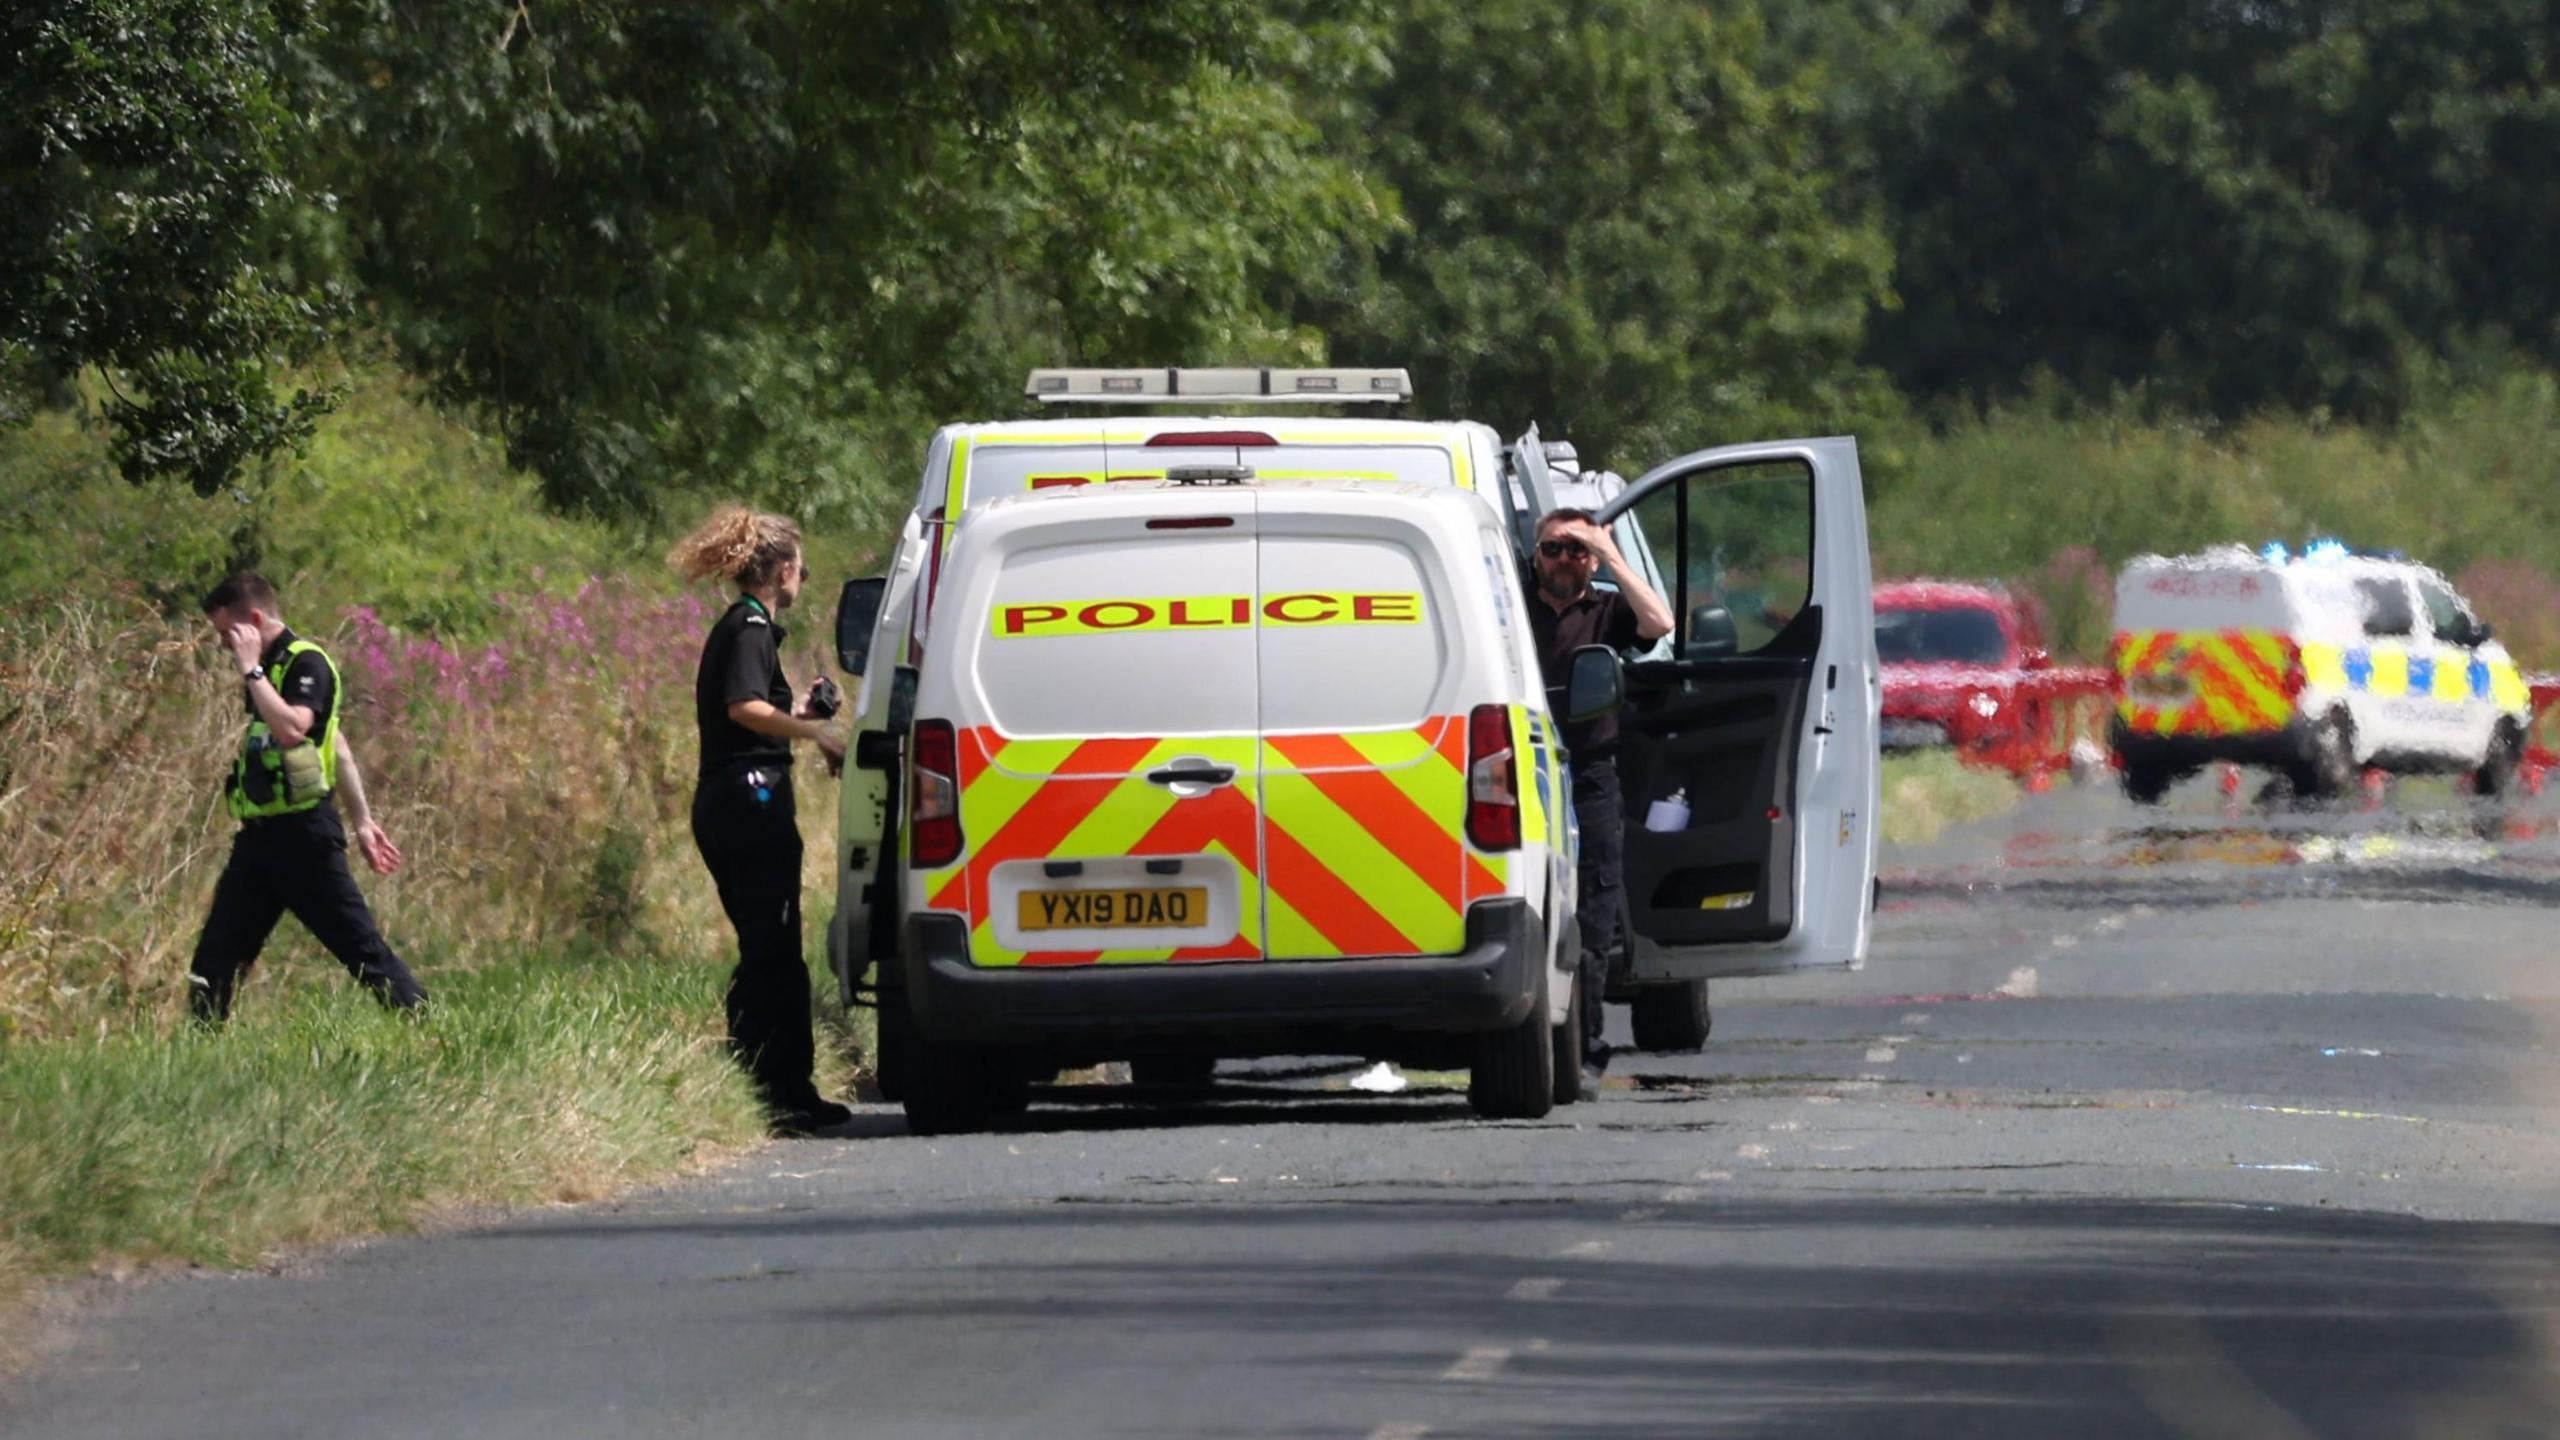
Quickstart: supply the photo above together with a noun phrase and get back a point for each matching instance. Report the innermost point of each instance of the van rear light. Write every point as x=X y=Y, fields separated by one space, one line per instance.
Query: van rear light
x=1233 y=439
x=2115 y=662
x=933 y=789
x=1493 y=780
x=2296 y=675
x=1193 y=522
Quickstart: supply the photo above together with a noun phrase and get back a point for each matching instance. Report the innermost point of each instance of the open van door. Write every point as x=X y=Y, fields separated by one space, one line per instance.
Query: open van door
x=874 y=622
x=1529 y=493
x=1762 y=720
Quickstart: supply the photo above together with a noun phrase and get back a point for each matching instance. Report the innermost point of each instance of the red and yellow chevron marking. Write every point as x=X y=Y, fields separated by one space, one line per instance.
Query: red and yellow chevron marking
x=2234 y=681
x=1355 y=846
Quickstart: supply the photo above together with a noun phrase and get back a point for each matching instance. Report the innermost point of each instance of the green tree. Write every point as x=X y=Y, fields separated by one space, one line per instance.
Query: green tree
x=1619 y=223
x=761 y=243
x=2232 y=207
x=147 y=182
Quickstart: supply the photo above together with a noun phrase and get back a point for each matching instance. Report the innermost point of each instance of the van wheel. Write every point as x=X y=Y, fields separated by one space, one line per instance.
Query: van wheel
x=1514 y=1074
x=1672 y=1019
x=2329 y=769
x=2146 y=782
x=954 y=1091
x=1567 y=1044
x=1190 y=1071
x=893 y=1045
x=2497 y=773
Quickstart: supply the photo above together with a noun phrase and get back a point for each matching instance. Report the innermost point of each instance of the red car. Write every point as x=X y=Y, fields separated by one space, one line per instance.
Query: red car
x=1954 y=658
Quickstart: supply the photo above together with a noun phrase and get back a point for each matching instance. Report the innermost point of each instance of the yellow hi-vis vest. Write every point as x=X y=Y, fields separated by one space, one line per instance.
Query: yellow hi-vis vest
x=268 y=779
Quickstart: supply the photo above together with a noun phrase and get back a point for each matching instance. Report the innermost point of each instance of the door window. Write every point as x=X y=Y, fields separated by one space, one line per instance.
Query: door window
x=2445 y=615
x=1736 y=557
x=2386 y=608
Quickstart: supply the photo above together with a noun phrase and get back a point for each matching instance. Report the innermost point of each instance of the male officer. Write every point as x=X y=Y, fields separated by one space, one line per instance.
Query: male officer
x=1569 y=613
x=291 y=852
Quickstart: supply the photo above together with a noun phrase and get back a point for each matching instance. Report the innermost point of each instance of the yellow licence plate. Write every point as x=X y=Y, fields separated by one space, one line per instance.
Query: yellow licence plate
x=1143 y=908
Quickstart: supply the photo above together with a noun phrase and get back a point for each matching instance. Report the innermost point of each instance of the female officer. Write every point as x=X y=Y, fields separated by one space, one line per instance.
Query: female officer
x=743 y=820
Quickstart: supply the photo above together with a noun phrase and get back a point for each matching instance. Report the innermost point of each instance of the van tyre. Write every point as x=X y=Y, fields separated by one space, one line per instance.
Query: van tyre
x=2496 y=776
x=1567 y=1045
x=950 y=1090
x=2146 y=782
x=893 y=1045
x=1183 y=1071
x=1514 y=1074
x=1672 y=1019
x=2328 y=769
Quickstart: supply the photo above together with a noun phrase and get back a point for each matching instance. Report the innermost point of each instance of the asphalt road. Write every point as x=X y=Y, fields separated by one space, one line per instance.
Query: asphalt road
x=2210 y=1123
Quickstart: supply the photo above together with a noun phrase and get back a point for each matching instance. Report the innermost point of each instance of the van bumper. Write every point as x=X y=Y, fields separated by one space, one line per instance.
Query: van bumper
x=2291 y=745
x=1243 y=1006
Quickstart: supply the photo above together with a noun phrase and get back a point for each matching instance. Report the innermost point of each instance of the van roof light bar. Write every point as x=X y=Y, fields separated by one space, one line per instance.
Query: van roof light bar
x=1175 y=385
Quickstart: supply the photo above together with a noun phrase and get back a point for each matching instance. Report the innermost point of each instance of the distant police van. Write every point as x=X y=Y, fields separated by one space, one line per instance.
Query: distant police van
x=1215 y=767
x=2315 y=665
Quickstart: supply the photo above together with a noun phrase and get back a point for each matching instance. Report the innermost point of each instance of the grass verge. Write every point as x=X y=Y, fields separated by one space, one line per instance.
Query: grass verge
x=317 y=1116
x=1926 y=791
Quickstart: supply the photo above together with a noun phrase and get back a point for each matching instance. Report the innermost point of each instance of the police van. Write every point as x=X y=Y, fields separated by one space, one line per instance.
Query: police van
x=1763 y=733
x=1219 y=766
x=2316 y=665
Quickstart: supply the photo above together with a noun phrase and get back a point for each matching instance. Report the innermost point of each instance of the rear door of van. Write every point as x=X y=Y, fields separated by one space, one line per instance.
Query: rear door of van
x=1364 y=737
x=1762 y=722
x=1108 y=776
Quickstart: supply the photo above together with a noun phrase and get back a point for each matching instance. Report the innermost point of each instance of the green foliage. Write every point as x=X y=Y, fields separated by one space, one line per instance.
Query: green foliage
x=1619 y=225
x=146 y=157
x=2321 y=205
x=391 y=505
x=2059 y=494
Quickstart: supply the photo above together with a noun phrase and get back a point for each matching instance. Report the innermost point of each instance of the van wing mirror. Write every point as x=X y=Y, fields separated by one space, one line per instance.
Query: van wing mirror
x=1594 y=686
x=857 y=611
x=1712 y=633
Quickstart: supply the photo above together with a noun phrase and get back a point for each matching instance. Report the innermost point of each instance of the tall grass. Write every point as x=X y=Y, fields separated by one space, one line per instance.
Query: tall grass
x=539 y=780
x=318 y=1115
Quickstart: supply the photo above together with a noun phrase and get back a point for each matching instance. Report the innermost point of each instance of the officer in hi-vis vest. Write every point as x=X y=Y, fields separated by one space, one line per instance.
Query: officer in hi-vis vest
x=291 y=852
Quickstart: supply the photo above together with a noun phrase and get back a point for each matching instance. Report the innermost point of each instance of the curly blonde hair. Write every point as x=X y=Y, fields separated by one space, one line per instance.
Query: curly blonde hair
x=738 y=545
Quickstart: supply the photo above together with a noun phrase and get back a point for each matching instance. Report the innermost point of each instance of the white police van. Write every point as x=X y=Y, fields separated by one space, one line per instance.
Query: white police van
x=2316 y=665
x=1759 y=711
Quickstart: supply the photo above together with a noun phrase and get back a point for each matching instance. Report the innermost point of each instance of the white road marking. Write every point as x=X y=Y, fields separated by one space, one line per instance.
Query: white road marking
x=1536 y=1287
x=1753 y=1152
x=1400 y=1430
x=2065 y=942
x=1714 y=1175
x=1641 y=1214
x=1880 y=1054
x=1679 y=1195
x=1481 y=1363
x=1585 y=1249
x=1915 y=1018
x=2021 y=984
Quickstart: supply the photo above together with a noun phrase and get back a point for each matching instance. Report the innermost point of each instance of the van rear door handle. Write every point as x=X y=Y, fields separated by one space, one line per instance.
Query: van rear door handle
x=1194 y=774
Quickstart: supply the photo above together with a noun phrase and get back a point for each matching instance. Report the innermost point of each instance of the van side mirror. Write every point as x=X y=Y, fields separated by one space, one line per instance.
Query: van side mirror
x=2481 y=634
x=1712 y=634
x=1595 y=685
x=857 y=611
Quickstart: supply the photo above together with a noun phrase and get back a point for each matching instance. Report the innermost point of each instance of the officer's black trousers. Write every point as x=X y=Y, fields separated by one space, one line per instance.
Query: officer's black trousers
x=294 y=863
x=752 y=847
x=1601 y=903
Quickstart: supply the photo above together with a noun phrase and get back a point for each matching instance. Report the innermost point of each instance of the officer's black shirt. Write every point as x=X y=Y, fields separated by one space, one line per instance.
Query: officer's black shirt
x=1600 y=617
x=307 y=682
x=741 y=661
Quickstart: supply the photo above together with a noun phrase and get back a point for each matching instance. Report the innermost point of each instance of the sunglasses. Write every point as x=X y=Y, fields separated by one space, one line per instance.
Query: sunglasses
x=1559 y=549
